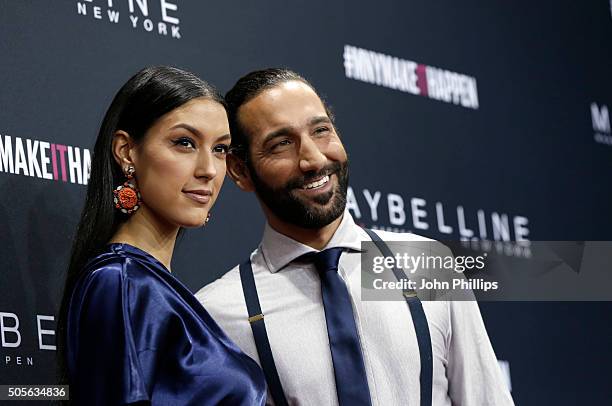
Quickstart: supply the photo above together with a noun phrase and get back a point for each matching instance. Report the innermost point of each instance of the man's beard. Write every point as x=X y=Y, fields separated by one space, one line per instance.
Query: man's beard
x=293 y=209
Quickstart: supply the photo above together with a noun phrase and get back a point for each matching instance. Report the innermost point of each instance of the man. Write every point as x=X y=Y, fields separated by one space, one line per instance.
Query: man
x=287 y=151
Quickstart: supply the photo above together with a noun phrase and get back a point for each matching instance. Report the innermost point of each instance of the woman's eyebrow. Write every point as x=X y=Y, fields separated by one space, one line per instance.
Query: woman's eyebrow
x=188 y=128
x=194 y=130
x=223 y=137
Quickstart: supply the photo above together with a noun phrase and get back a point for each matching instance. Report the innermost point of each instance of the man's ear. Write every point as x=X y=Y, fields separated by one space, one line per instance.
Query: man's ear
x=238 y=171
x=123 y=147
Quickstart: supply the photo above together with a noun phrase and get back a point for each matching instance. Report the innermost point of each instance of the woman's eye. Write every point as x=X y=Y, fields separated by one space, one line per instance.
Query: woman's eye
x=185 y=142
x=221 y=149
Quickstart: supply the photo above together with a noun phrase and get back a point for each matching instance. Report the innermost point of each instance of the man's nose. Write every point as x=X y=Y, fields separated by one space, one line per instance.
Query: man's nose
x=311 y=157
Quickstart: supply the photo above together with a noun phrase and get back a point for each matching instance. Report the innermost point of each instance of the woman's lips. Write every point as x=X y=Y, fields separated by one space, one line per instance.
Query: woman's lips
x=200 y=196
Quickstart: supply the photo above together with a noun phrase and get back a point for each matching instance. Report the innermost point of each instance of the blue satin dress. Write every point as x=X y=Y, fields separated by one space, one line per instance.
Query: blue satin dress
x=137 y=334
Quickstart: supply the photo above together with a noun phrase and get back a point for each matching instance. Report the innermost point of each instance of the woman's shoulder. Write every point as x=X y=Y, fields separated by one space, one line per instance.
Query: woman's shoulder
x=122 y=276
x=111 y=269
x=119 y=259
x=125 y=267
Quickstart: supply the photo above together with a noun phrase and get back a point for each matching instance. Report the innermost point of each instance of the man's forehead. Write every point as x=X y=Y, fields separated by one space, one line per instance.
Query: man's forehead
x=287 y=103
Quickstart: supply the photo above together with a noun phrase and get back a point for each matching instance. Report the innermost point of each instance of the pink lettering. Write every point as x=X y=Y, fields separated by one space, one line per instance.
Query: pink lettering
x=62 y=149
x=422 y=79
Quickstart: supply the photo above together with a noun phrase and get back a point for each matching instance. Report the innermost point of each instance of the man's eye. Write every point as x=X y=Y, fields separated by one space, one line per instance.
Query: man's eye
x=321 y=130
x=281 y=144
x=221 y=149
x=185 y=142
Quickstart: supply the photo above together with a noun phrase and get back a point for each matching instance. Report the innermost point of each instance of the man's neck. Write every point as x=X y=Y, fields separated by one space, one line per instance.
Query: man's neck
x=316 y=238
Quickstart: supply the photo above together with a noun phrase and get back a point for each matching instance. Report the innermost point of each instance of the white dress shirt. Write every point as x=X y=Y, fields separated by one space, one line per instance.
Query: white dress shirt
x=465 y=369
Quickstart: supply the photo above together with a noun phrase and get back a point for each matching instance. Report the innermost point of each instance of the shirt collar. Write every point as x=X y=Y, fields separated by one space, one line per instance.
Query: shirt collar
x=279 y=250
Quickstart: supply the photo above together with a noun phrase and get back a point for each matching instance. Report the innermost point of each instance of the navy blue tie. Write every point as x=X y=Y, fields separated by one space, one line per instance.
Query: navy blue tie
x=349 y=370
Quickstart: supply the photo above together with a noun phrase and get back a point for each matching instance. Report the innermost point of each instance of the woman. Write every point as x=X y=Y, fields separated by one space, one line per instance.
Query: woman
x=132 y=332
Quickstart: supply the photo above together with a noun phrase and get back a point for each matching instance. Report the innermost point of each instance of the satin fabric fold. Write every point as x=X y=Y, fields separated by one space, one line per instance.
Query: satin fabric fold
x=135 y=333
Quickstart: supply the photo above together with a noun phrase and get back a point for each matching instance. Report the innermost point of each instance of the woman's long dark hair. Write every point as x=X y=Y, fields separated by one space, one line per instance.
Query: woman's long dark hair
x=142 y=100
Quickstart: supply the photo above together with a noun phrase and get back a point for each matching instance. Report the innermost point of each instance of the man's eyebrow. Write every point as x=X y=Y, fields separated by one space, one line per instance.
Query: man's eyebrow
x=276 y=133
x=285 y=130
x=319 y=120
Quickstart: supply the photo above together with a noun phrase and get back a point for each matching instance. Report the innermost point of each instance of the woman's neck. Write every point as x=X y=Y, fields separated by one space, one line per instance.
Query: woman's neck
x=143 y=230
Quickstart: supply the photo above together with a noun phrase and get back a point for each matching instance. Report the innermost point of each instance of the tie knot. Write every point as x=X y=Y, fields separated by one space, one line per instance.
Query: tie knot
x=327 y=260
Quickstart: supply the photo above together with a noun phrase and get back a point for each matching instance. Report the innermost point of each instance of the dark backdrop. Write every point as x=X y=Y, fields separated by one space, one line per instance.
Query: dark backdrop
x=535 y=148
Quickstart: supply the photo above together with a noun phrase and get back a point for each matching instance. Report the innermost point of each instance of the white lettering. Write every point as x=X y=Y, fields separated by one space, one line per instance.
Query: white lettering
x=20 y=159
x=397 y=216
x=32 y=158
x=446 y=229
x=148 y=25
x=82 y=8
x=372 y=202
x=6 y=155
x=501 y=229
x=5 y=329
x=45 y=160
x=113 y=16
x=142 y=5
x=401 y=74
x=134 y=20
x=418 y=214
x=175 y=32
x=42 y=332
x=482 y=224
x=74 y=165
x=463 y=230
x=351 y=203
x=600 y=118
x=520 y=228
x=165 y=6
x=86 y=166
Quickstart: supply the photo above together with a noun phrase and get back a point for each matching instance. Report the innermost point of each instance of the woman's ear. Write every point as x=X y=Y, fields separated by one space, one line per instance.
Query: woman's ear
x=123 y=146
x=238 y=171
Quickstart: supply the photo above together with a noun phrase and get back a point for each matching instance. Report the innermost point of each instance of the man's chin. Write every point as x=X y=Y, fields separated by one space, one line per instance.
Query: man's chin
x=318 y=201
x=307 y=209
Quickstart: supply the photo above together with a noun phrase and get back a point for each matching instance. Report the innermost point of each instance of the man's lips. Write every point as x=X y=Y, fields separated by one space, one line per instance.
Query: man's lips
x=316 y=186
x=317 y=183
x=199 y=195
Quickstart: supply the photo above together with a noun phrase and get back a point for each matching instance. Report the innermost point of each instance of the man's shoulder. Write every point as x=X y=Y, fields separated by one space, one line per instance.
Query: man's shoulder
x=434 y=245
x=394 y=236
x=223 y=289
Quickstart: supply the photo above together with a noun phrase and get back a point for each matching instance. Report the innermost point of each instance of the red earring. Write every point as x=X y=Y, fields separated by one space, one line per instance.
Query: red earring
x=126 y=196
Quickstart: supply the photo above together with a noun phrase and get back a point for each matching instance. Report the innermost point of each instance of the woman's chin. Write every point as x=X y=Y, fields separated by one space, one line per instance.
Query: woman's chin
x=194 y=222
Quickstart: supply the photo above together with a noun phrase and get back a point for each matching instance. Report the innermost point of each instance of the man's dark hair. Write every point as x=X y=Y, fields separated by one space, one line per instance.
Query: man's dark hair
x=247 y=88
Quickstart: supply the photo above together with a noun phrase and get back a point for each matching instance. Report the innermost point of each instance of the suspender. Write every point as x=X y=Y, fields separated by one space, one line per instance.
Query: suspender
x=256 y=319
x=420 y=326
